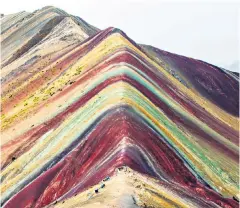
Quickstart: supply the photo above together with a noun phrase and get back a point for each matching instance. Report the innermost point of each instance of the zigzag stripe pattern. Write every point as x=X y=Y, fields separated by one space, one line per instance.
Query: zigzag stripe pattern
x=106 y=103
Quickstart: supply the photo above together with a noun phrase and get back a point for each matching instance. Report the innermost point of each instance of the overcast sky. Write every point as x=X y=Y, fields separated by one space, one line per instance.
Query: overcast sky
x=206 y=30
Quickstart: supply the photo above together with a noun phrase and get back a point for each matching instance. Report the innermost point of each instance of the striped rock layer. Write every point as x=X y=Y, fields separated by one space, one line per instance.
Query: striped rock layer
x=79 y=103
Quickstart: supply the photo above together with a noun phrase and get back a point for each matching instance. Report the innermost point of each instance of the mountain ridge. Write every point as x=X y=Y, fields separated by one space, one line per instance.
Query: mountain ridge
x=103 y=102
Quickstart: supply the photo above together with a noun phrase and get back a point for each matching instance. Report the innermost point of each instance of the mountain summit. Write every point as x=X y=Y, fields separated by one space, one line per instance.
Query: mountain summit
x=92 y=119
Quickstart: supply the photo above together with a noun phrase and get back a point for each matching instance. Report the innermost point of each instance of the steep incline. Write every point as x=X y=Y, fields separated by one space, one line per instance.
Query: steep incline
x=103 y=102
x=214 y=83
x=23 y=31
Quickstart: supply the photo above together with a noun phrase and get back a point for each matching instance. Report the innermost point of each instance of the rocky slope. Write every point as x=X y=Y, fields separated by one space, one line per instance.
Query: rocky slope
x=91 y=118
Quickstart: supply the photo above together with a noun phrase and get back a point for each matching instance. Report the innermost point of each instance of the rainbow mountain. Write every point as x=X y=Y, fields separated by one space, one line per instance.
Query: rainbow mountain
x=90 y=118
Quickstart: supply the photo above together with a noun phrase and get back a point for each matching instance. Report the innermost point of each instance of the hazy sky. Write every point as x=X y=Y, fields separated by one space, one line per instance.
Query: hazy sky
x=206 y=30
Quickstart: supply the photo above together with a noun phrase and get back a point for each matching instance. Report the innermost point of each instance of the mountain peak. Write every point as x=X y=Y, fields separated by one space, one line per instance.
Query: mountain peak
x=88 y=114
